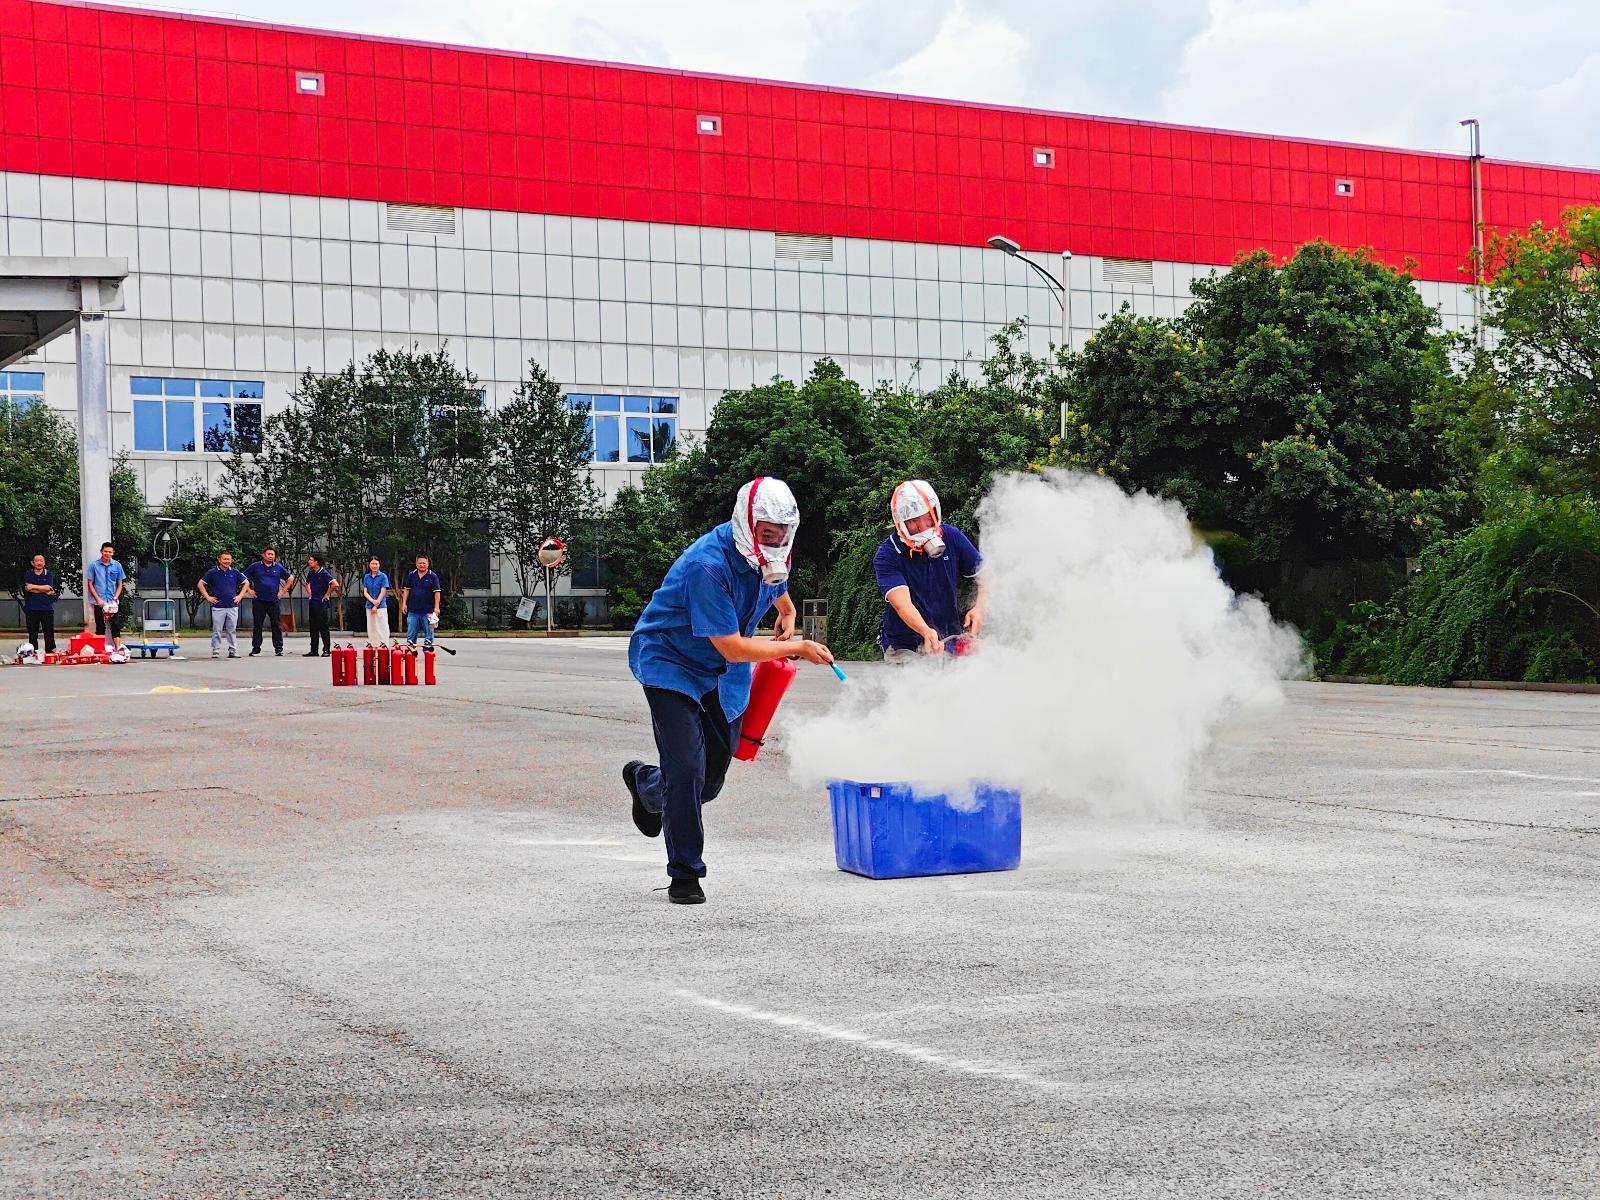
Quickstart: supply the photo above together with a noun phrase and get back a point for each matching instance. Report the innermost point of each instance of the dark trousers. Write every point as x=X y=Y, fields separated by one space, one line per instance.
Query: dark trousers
x=102 y=623
x=42 y=623
x=319 y=629
x=695 y=742
x=263 y=613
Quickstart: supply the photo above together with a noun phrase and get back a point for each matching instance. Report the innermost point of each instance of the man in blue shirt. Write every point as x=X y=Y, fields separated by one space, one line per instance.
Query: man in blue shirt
x=268 y=581
x=104 y=583
x=39 y=604
x=321 y=587
x=920 y=569
x=692 y=649
x=419 y=600
x=220 y=588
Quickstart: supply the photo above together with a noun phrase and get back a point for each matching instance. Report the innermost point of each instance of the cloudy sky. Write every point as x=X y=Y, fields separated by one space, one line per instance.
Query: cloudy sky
x=1395 y=72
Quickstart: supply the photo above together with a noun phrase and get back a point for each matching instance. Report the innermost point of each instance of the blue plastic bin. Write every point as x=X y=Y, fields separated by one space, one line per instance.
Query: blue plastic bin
x=890 y=831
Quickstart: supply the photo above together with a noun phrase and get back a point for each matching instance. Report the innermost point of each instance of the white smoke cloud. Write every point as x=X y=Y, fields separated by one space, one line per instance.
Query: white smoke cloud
x=1113 y=656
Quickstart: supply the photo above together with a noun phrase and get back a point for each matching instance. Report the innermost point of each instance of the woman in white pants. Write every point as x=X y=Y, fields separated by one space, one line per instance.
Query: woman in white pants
x=375 y=592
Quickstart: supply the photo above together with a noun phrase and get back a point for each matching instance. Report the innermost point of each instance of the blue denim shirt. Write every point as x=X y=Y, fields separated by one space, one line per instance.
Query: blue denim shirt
x=711 y=591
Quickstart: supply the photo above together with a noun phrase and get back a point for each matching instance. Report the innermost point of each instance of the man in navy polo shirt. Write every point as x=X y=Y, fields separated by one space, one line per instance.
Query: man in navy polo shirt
x=268 y=581
x=39 y=604
x=321 y=587
x=419 y=600
x=221 y=586
x=692 y=649
x=920 y=569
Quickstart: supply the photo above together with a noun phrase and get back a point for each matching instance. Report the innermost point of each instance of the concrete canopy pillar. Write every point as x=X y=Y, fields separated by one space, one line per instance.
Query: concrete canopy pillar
x=94 y=428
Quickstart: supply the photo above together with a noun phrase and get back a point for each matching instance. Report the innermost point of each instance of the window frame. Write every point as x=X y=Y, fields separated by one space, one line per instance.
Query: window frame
x=175 y=393
x=618 y=413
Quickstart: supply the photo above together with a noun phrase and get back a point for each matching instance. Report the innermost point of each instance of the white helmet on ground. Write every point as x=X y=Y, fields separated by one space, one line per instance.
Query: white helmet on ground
x=27 y=655
x=913 y=499
x=766 y=499
x=119 y=654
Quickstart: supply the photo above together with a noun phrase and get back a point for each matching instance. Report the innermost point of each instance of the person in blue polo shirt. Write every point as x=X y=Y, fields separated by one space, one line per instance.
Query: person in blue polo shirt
x=267 y=581
x=692 y=650
x=321 y=587
x=419 y=600
x=920 y=569
x=39 y=604
x=221 y=587
x=104 y=583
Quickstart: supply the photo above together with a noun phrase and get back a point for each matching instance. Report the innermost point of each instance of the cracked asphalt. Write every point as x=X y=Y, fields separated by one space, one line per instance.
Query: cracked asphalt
x=280 y=940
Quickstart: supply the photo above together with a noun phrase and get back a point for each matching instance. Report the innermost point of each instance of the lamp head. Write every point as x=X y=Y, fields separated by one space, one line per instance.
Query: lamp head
x=1005 y=243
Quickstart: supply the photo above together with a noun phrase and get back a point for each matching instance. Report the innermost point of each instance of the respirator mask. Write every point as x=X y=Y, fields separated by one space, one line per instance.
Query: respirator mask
x=770 y=500
x=913 y=499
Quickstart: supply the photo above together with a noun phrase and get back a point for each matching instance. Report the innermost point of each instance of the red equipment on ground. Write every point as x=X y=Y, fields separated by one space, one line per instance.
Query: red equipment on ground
x=381 y=653
x=397 y=666
x=429 y=671
x=350 y=679
x=336 y=661
x=411 y=666
x=771 y=680
x=369 y=665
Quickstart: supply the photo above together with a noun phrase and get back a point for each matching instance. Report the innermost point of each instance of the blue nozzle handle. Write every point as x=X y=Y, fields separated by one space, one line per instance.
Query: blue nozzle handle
x=843 y=678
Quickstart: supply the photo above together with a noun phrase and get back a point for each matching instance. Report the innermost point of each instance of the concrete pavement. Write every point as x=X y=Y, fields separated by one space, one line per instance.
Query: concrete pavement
x=300 y=941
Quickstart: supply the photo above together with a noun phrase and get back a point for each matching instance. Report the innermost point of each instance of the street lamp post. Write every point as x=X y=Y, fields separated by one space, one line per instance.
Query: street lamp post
x=1057 y=289
x=1475 y=161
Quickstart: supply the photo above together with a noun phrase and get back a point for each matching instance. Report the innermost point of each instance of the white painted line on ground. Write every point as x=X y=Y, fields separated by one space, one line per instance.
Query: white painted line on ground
x=563 y=842
x=1503 y=771
x=164 y=691
x=868 y=1041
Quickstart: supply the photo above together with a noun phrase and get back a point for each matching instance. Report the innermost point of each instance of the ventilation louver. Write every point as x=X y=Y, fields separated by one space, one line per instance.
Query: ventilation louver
x=805 y=247
x=1140 y=272
x=421 y=218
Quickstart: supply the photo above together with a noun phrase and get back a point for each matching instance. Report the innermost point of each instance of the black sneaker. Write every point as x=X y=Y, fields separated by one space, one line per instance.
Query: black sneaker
x=647 y=822
x=685 y=891
x=310 y=654
x=279 y=653
x=255 y=652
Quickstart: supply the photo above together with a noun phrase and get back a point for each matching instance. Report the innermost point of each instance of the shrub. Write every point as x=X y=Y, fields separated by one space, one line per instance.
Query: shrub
x=855 y=608
x=1515 y=597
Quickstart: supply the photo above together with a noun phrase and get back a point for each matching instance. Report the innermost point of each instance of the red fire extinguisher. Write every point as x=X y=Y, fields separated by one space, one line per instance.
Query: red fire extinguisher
x=382 y=655
x=336 y=660
x=411 y=666
x=350 y=678
x=397 y=666
x=771 y=680
x=369 y=666
x=428 y=670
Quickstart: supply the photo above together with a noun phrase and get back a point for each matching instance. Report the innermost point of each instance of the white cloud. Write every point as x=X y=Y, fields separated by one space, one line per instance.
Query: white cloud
x=982 y=56
x=1398 y=72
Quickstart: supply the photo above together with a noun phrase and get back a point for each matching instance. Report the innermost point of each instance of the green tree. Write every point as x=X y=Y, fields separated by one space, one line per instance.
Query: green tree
x=1287 y=403
x=39 y=502
x=644 y=534
x=968 y=431
x=539 y=481
x=1530 y=407
x=38 y=495
x=389 y=456
x=834 y=444
x=206 y=529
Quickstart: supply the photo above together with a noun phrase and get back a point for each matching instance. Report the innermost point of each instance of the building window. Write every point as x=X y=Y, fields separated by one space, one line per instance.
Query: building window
x=308 y=83
x=181 y=416
x=1344 y=187
x=1043 y=157
x=20 y=391
x=710 y=126
x=630 y=429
